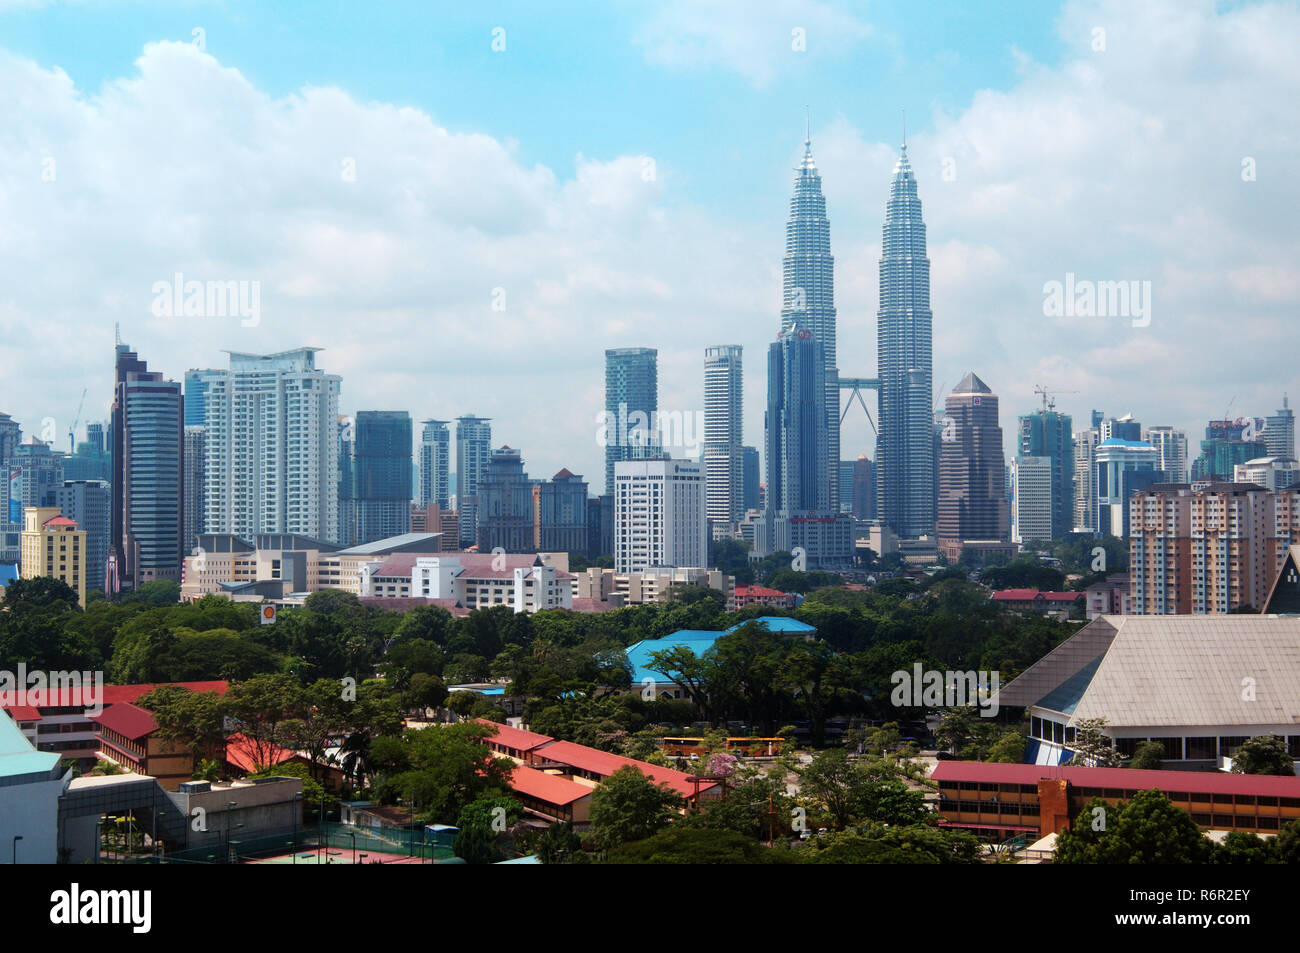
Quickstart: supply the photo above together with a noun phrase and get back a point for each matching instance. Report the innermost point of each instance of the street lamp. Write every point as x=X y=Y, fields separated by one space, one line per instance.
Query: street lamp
x=230 y=805
x=354 y=847
x=17 y=838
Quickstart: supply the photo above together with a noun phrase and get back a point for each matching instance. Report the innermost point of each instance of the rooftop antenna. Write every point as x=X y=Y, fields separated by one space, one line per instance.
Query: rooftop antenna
x=117 y=333
x=807 y=123
x=904 y=130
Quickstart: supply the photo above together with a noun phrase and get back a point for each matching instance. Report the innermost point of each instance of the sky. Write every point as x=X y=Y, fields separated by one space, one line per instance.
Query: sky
x=464 y=206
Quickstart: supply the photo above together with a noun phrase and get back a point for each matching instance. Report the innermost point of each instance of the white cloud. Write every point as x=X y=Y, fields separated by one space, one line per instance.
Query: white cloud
x=758 y=39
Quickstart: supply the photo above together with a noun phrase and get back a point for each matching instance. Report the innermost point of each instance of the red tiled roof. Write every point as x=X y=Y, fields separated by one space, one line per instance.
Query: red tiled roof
x=1213 y=782
x=1028 y=595
x=516 y=738
x=1019 y=595
x=546 y=787
x=118 y=694
x=126 y=719
x=592 y=605
x=564 y=472
x=244 y=753
x=23 y=712
x=604 y=764
x=760 y=591
x=60 y=521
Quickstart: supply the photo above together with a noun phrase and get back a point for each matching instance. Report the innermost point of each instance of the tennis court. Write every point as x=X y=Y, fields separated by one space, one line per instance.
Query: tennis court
x=338 y=855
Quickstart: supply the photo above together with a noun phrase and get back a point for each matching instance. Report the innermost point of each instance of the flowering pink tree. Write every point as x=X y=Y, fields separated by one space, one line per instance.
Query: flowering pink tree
x=721 y=765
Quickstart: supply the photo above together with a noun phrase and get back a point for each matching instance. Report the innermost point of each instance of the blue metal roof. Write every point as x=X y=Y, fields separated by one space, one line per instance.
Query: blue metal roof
x=8 y=573
x=638 y=654
x=780 y=623
x=18 y=757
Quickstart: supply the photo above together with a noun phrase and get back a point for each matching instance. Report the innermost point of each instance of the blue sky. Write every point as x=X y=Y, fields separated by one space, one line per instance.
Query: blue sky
x=619 y=176
x=573 y=77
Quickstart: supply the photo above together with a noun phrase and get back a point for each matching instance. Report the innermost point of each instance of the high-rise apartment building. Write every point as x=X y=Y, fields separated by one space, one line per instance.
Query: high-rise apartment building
x=54 y=546
x=630 y=429
x=1172 y=445
x=435 y=464
x=1033 y=487
x=905 y=447
x=560 y=514
x=473 y=450
x=808 y=298
x=724 y=463
x=89 y=504
x=148 y=475
x=1214 y=549
x=1050 y=434
x=375 y=503
x=272 y=454
x=1085 y=471
x=196 y=390
x=659 y=515
x=972 y=504
x=505 y=504
x=11 y=435
x=797 y=481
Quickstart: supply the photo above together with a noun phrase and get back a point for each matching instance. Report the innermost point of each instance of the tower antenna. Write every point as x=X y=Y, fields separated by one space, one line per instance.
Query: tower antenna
x=904 y=130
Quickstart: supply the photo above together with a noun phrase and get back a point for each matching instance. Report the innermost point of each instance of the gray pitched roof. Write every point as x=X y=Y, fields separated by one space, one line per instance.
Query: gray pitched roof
x=970 y=384
x=1174 y=671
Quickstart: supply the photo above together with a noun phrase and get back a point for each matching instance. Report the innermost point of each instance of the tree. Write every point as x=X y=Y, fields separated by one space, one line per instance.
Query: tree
x=1242 y=848
x=557 y=844
x=1092 y=747
x=449 y=768
x=832 y=782
x=1266 y=754
x=1149 y=756
x=892 y=802
x=680 y=844
x=904 y=844
x=1146 y=830
x=1009 y=749
x=629 y=806
x=1287 y=843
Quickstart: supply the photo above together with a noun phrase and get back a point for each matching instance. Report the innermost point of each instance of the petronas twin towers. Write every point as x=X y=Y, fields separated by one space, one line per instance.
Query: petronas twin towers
x=803 y=443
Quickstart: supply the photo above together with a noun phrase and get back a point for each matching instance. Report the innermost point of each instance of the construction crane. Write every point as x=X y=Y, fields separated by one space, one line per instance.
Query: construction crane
x=1049 y=396
x=72 y=431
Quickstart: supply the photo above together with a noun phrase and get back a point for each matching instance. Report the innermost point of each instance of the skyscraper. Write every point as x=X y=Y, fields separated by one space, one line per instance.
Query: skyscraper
x=272 y=455
x=797 y=481
x=561 y=514
x=751 y=479
x=89 y=503
x=1050 y=434
x=473 y=450
x=192 y=523
x=1226 y=444
x=724 y=464
x=435 y=463
x=864 y=489
x=196 y=389
x=505 y=504
x=905 y=448
x=10 y=437
x=379 y=502
x=1033 y=490
x=1172 y=445
x=972 y=504
x=148 y=474
x=659 y=515
x=631 y=407
x=1123 y=468
x=808 y=286
x=1279 y=434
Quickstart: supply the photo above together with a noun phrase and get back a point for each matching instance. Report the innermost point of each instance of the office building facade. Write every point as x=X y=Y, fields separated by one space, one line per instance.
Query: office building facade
x=724 y=463
x=905 y=447
x=435 y=464
x=1050 y=434
x=148 y=475
x=659 y=515
x=375 y=502
x=972 y=503
x=630 y=430
x=89 y=504
x=473 y=450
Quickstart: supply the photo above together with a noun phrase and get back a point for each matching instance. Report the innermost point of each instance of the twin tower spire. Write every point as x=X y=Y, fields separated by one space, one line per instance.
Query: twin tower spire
x=905 y=442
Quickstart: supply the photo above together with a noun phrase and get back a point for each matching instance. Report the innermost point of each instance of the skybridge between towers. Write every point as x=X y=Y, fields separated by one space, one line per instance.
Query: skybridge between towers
x=855 y=386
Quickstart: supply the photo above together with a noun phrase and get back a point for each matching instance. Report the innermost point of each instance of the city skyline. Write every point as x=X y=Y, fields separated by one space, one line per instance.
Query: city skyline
x=591 y=217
